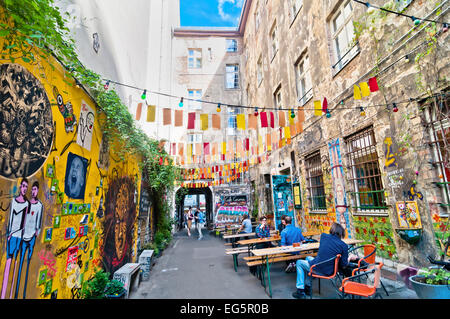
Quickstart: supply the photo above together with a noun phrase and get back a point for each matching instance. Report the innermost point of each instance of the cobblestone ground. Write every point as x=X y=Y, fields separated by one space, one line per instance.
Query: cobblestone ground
x=199 y=269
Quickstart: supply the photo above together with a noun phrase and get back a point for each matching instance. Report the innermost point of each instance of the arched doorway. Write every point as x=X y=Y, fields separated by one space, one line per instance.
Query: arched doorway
x=180 y=205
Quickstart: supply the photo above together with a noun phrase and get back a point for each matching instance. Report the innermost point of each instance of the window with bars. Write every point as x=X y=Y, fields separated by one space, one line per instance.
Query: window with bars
x=365 y=175
x=437 y=118
x=232 y=76
x=314 y=182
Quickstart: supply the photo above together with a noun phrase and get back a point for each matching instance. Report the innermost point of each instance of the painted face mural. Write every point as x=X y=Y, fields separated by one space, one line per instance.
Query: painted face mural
x=119 y=223
x=26 y=123
x=75 y=182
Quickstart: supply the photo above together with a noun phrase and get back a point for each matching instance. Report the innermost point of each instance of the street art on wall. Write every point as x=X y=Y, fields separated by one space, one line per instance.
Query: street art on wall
x=337 y=174
x=75 y=181
x=119 y=222
x=230 y=209
x=86 y=126
x=282 y=197
x=408 y=214
x=66 y=111
x=26 y=123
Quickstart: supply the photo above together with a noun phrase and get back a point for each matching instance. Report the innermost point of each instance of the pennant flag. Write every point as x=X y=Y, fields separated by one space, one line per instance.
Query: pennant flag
x=240 y=121
x=247 y=144
x=281 y=119
x=301 y=115
x=178 y=118
x=317 y=108
x=214 y=149
x=269 y=141
x=224 y=148
x=272 y=120
x=365 y=90
x=252 y=122
x=151 y=111
x=167 y=116
x=191 y=121
x=324 y=105
x=216 y=121
x=263 y=117
x=138 y=112
x=356 y=93
x=204 y=121
x=198 y=149
x=287 y=132
x=181 y=149
x=173 y=150
x=189 y=151
x=373 y=84
x=206 y=148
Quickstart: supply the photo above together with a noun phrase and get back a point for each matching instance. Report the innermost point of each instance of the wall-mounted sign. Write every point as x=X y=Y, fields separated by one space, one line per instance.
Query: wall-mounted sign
x=297 y=196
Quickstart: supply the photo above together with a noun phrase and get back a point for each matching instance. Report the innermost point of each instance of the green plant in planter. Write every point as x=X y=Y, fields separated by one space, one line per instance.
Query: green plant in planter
x=94 y=288
x=435 y=276
x=114 y=289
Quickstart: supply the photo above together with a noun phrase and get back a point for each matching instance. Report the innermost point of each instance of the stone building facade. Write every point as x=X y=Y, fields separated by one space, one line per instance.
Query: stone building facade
x=358 y=166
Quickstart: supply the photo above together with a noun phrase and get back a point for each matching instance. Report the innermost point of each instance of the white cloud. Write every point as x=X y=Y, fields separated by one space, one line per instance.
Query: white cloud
x=225 y=16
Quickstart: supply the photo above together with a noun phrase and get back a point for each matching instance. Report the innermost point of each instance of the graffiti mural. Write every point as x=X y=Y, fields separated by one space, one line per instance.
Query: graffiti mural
x=337 y=174
x=75 y=181
x=119 y=220
x=26 y=124
x=86 y=126
x=282 y=197
x=66 y=110
x=230 y=209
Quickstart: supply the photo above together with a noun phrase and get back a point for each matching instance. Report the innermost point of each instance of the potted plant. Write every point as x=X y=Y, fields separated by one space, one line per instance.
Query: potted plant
x=114 y=290
x=94 y=288
x=432 y=283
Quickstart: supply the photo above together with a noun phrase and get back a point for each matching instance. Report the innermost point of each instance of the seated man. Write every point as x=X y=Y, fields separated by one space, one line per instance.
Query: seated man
x=246 y=226
x=330 y=245
x=262 y=231
x=290 y=235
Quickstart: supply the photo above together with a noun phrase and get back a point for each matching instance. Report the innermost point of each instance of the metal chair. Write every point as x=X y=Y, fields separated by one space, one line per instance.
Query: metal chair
x=334 y=277
x=370 y=252
x=356 y=288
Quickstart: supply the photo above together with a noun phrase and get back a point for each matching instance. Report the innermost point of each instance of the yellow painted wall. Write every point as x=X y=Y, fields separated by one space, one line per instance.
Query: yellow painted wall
x=33 y=132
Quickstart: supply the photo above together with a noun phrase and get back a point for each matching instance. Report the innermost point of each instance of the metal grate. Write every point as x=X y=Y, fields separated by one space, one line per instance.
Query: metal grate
x=368 y=191
x=314 y=182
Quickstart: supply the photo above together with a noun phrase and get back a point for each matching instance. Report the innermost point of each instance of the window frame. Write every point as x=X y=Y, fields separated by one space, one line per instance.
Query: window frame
x=303 y=97
x=259 y=70
x=195 y=105
x=364 y=171
x=234 y=47
x=236 y=80
x=313 y=164
x=293 y=11
x=195 y=58
x=274 y=40
x=342 y=58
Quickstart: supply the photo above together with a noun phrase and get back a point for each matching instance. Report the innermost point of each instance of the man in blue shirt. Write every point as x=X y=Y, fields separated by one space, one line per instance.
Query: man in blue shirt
x=246 y=226
x=290 y=235
x=330 y=246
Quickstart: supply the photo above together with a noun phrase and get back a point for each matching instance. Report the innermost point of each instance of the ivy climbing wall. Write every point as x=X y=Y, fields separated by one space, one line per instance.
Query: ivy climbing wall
x=67 y=203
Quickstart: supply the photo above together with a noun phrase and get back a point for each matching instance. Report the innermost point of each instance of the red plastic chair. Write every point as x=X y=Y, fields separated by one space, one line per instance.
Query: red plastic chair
x=355 y=288
x=334 y=277
x=370 y=252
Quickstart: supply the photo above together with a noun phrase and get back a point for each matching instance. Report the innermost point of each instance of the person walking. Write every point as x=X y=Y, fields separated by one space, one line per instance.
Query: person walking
x=189 y=217
x=199 y=221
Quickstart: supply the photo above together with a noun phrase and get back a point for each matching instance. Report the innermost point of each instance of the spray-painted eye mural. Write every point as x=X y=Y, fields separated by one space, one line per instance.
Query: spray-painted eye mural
x=120 y=215
x=26 y=123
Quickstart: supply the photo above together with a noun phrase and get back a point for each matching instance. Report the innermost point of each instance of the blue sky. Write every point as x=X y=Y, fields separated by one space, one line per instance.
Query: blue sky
x=210 y=13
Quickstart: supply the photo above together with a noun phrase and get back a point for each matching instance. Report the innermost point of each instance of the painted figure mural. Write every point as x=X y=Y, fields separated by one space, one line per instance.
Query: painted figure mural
x=26 y=123
x=14 y=234
x=75 y=181
x=120 y=216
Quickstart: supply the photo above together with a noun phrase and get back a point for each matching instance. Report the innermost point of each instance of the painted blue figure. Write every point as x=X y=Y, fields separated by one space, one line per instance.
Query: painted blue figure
x=31 y=230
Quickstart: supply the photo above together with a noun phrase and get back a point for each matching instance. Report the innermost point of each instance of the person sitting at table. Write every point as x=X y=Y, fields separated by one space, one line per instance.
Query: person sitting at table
x=289 y=236
x=263 y=231
x=283 y=223
x=330 y=245
x=246 y=226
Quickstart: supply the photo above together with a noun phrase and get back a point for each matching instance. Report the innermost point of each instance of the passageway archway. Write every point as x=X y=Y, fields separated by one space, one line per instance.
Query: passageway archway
x=208 y=204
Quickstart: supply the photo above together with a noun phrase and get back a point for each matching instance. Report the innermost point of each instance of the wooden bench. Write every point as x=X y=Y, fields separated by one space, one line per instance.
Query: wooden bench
x=235 y=252
x=278 y=258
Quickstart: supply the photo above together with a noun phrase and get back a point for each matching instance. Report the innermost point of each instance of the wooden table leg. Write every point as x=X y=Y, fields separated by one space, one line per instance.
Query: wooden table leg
x=268 y=276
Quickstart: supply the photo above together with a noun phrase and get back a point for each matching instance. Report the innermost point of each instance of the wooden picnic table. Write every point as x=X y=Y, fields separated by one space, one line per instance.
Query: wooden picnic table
x=266 y=253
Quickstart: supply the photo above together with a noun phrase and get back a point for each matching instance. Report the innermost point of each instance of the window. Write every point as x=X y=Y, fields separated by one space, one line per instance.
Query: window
x=401 y=4
x=295 y=8
x=231 y=45
x=368 y=192
x=257 y=19
x=232 y=122
x=303 y=80
x=195 y=138
x=273 y=39
x=314 y=182
x=277 y=97
x=232 y=76
x=195 y=95
x=343 y=34
x=259 y=70
x=437 y=114
x=195 y=58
